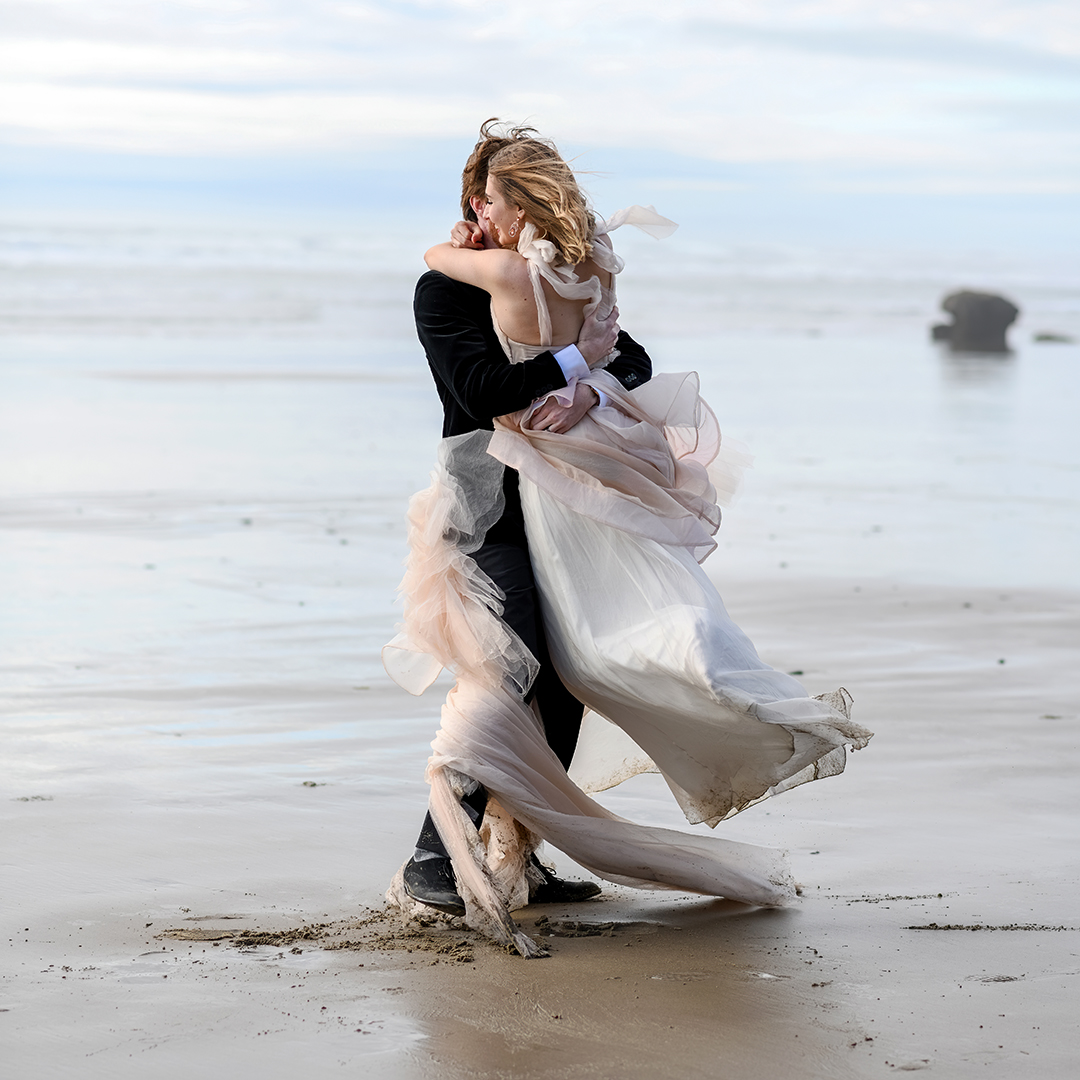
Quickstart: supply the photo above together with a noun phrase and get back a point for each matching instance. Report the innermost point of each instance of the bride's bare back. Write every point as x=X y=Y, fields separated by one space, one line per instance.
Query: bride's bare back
x=514 y=304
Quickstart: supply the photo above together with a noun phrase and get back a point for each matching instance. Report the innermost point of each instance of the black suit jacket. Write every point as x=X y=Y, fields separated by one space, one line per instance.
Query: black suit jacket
x=475 y=380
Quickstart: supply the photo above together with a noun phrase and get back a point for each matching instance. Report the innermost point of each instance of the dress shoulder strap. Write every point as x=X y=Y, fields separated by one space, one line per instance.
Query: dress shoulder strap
x=543 y=316
x=542 y=256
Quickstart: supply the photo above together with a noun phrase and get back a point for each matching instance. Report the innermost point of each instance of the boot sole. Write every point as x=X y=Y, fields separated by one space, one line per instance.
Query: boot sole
x=451 y=905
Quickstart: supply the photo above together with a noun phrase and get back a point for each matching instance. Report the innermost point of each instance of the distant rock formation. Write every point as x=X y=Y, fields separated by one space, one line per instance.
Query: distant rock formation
x=979 y=322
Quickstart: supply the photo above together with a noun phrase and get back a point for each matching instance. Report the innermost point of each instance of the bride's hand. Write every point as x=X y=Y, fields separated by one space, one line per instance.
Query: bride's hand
x=467 y=234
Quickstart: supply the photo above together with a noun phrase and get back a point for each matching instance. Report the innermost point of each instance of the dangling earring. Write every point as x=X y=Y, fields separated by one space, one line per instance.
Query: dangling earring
x=513 y=230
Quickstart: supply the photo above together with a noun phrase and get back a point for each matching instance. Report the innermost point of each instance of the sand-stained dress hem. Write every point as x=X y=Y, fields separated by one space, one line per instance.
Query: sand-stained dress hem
x=631 y=485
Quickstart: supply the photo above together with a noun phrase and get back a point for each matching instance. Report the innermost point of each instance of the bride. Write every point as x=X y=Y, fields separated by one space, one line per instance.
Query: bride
x=620 y=511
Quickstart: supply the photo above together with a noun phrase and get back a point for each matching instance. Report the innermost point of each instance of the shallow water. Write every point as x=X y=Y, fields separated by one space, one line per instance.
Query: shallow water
x=204 y=537
x=209 y=439
x=887 y=457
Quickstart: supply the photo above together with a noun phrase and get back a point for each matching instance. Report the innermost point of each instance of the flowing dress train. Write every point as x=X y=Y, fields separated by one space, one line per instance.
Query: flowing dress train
x=619 y=513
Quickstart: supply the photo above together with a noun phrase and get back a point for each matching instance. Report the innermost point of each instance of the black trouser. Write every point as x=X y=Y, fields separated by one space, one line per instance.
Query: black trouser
x=509 y=567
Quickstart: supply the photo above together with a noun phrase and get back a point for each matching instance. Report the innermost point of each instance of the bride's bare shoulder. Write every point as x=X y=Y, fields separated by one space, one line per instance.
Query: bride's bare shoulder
x=589 y=268
x=489 y=269
x=510 y=267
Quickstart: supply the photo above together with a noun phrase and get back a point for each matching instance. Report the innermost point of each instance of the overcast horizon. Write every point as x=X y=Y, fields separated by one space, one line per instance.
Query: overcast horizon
x=849 y=121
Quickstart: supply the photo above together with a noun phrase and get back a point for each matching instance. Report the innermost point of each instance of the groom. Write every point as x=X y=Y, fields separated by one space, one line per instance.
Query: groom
x=476 y=383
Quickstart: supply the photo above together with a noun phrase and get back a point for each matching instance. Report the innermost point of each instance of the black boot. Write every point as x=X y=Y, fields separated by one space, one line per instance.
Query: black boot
x=430 y=878
x=431 y=881
x=556 y=890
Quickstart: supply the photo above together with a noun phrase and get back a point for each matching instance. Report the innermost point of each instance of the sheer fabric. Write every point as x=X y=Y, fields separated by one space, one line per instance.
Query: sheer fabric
x=619 y=513
x=639 y=633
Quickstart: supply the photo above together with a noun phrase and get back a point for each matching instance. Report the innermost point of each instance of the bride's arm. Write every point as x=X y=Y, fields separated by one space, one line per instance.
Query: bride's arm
x=489 y=270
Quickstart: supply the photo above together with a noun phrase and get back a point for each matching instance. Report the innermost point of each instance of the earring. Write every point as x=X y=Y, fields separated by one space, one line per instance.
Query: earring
x=513 y=230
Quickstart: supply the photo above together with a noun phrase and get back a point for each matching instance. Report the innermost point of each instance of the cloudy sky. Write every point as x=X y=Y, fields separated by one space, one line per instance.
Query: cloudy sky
x=961 y=98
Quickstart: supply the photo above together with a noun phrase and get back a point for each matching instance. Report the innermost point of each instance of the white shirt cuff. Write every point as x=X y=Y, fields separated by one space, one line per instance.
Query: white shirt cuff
x=604 y=401
x=572 y=363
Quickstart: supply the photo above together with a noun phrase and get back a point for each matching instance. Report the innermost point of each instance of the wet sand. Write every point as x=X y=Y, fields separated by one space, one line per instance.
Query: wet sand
x=197 y=735
x=962 y=813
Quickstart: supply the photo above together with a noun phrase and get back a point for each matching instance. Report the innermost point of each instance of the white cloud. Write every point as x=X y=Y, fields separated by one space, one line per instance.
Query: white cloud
x=851 y=83
x=168 y=121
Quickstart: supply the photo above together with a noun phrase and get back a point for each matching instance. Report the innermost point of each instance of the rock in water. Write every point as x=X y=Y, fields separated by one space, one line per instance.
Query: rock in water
x=979 y=322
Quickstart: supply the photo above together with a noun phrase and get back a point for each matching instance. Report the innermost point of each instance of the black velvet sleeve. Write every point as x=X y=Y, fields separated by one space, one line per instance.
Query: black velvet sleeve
x=453 y=322
x=632 y=366
x=473 y=377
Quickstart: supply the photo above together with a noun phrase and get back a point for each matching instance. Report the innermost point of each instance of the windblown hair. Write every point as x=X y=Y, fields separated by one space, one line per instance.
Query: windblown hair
x=474 y=177
x=531 y=173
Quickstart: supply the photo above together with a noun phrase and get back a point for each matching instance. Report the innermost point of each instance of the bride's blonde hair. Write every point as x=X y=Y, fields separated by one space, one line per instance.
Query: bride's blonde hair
x=532 y=174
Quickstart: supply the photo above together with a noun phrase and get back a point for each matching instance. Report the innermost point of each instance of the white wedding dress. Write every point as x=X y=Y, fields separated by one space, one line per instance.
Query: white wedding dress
x=619 y=513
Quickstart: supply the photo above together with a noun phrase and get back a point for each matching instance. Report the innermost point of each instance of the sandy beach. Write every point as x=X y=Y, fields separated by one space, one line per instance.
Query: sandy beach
x=962 y=816
x=214 y=410
x=200 y=547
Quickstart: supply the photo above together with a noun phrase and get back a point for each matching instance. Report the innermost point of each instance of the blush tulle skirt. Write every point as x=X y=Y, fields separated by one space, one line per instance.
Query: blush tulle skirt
x=619 y=513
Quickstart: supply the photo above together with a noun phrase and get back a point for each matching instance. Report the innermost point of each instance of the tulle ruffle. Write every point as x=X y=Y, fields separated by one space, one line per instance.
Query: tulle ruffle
x=640 y=466
x=490 y=735
x=452 y=607
x=619 y=511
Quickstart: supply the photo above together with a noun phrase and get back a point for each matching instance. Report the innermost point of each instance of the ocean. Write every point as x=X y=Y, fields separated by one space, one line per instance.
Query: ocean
x=209 y=438
x=248 y=364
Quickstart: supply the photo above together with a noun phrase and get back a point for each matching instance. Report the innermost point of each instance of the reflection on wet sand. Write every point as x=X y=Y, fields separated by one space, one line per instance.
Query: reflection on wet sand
x=198 y=575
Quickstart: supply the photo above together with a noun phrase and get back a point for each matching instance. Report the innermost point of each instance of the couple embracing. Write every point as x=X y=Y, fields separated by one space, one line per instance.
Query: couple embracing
x=555 y=565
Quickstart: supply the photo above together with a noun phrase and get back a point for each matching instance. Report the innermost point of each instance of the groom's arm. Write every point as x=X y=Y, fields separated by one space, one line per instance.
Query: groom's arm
x=632 y=366
x=466 y=355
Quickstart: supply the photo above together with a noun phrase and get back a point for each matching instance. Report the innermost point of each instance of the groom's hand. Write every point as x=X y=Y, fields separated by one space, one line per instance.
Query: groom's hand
x=597 y=337
x=551 y=416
